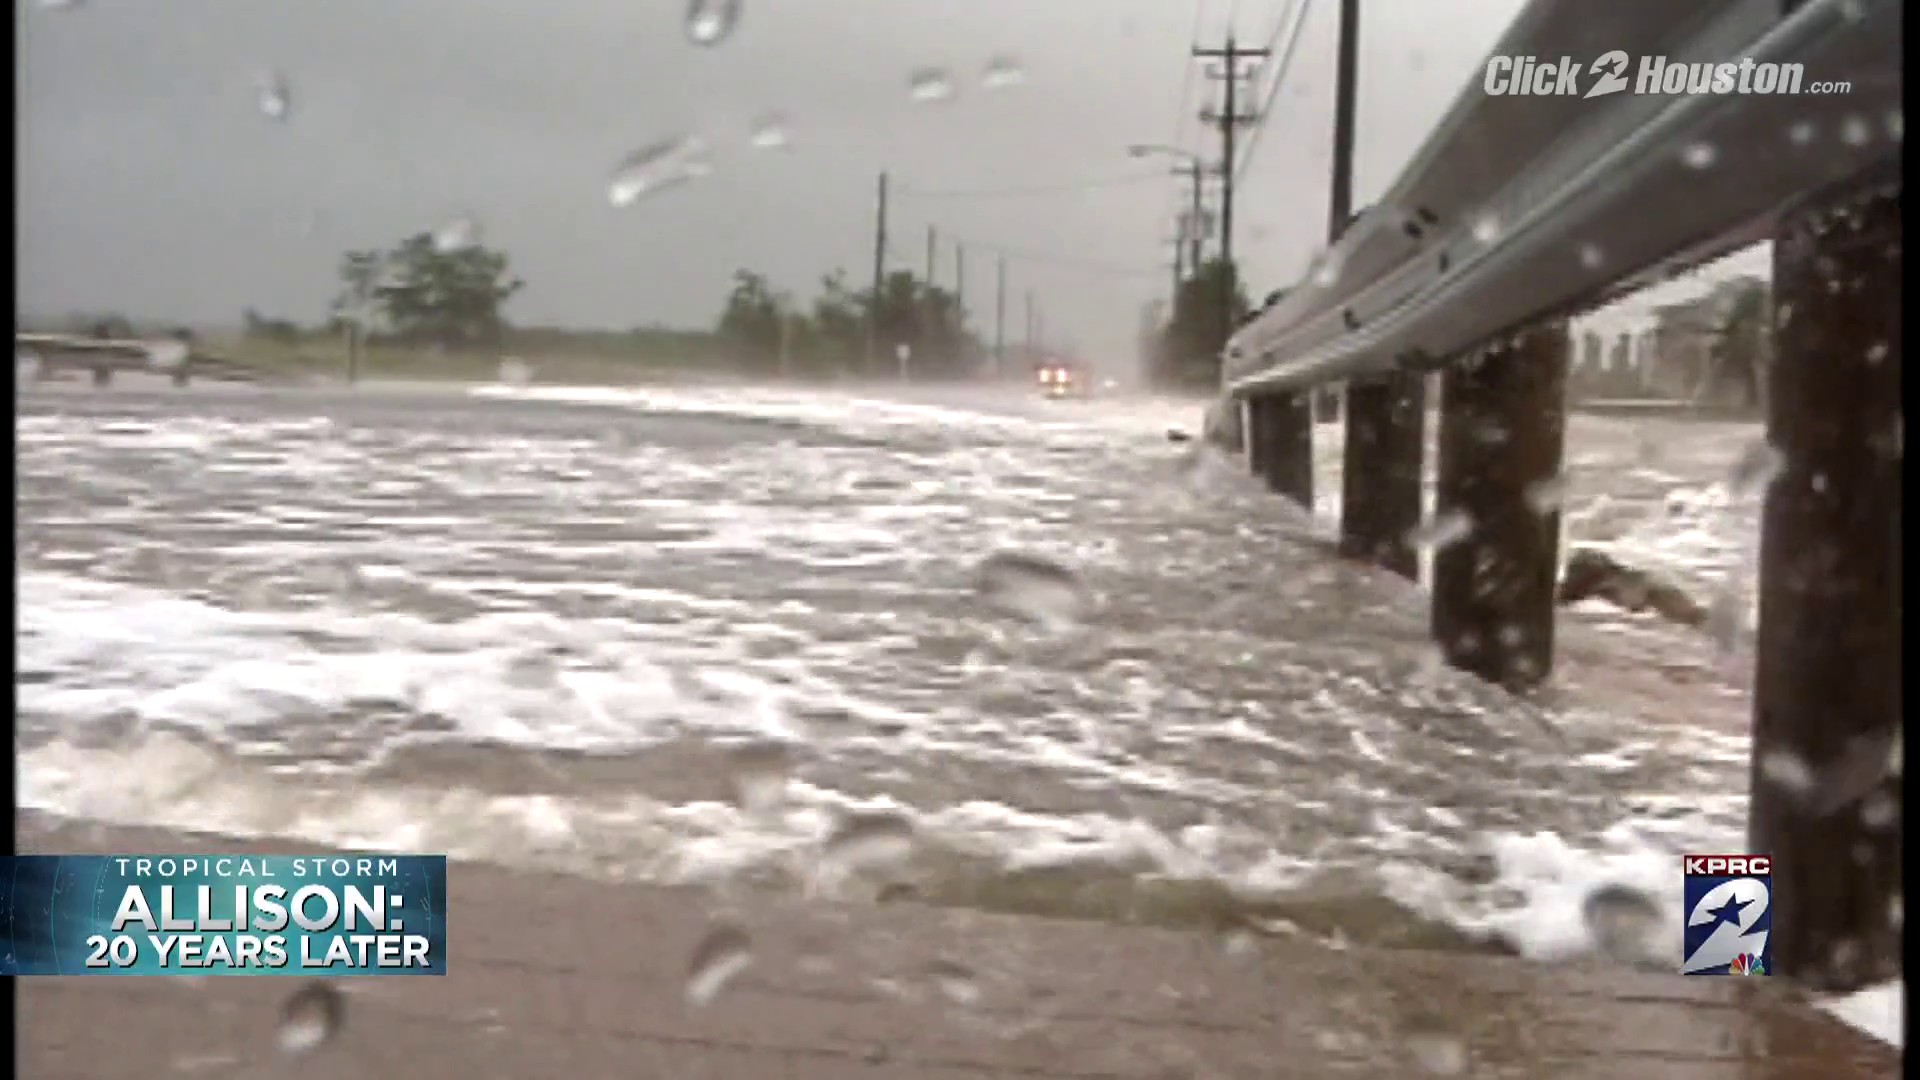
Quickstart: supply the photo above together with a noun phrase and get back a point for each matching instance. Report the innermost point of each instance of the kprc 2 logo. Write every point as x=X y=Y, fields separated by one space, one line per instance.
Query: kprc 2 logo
x=1729 y=916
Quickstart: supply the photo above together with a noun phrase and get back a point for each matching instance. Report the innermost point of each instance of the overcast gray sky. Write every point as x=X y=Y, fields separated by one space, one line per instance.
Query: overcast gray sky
x=150 y=183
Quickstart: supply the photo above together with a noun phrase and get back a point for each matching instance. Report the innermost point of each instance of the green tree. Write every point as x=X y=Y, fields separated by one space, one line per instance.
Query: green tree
x=750 y=328
x=422 y=295
x=1207 y=308
x=1742 y=344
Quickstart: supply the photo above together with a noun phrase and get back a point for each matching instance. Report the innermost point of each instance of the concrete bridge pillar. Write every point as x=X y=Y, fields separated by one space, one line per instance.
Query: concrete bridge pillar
x=1827 y=786
x=1380 y=474
x=1280 y=435
x=1502 y=432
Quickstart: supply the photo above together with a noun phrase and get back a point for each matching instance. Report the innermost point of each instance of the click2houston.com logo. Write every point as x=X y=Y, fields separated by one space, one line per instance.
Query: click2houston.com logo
x=1531 y=76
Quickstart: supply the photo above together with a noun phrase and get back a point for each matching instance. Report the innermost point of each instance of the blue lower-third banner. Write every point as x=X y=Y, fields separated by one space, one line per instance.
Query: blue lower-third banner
x=223 y=914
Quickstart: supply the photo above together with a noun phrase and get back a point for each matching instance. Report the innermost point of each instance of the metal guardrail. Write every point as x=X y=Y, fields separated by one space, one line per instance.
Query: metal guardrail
x=1520 y=208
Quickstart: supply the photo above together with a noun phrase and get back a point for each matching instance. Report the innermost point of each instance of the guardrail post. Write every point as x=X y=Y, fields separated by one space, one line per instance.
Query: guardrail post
x=1282 y=436
x=1826 y=789
x=1502 y=432
x=1380 y=473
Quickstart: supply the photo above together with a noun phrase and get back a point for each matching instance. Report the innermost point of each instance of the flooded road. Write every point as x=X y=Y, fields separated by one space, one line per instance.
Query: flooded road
x=693 y=635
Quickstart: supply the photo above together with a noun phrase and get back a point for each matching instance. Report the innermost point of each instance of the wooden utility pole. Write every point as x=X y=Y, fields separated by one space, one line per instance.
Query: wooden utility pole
x=1000 y=318
x=1195 y=228
x=1229 y=120
x=1346 y=78
x=959 y=283
x=879 y=273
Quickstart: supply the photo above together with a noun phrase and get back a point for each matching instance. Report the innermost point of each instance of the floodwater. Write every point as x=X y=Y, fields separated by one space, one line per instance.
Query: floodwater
x=682 y=635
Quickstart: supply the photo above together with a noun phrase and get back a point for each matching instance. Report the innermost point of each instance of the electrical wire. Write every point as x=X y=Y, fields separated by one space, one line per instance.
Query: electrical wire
x=1070 y=187
x=1291 y=30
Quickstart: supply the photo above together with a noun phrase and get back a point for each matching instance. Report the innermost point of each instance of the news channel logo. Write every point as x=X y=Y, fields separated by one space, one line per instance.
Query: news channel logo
x=1729 y=920
x=142 y=914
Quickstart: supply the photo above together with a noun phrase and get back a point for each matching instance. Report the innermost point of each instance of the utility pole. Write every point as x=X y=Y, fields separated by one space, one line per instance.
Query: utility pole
x=1030 y=325
x=1229 y=120
x=932 y=239
x=1000 y=318
x=1340 y=205
x=1179 y=256
x=1195 y=230
x=959 y=282
x=879 y=273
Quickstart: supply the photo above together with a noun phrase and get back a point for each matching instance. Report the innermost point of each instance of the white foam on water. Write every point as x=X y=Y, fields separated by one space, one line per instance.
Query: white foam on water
x=1880 y=1011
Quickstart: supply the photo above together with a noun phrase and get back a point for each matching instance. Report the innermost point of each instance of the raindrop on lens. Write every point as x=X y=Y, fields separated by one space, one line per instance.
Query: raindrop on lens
x=1486 y=228
x=710 y=21
x=1787 y=772
x=769 y=132
x=869 y=839
x=1002 y=72
x=457 y=235
x=657 y=167
x=1623 y=922
x=1440 y=531
x=1435 y=1049
x=1546 y=496
x=310 y=1018
x=725 y=952
x=1032 y=588
x=515 y=372
x=759 y=773
x=275 y=101
x=1590 y=256
x=1700 y=155
x=956 y=982
x=1855 y=132
x=929 y=85
x=1756 y=467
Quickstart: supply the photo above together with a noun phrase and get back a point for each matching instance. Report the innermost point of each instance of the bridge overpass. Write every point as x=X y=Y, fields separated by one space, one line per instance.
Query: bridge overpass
x=1521 y=211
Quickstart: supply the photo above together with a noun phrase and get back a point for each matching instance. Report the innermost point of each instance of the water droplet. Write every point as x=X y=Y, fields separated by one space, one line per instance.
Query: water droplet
x=310 y=1018
x=723 y=953
x=657 y=167
x=1896 y=911
x=955 y=981
x=710 y=21
x=167 y=355
x=457 y=235
x=1800 y=132
x=930 y=85
x=1326 y=273
x=1486 y=228
x=1756 y=467
x=1878 y=810
x=1002 y=72
x=1876 y=352
x=274 y=99
x=759 y=774
x=1855 y=131
x=1700 y=155
x=515 y=372
x=1546 y=496
x=1896 y=125
x=1441 y=531
x=1852 y=10
x=1725 y=619
x=770 y=131
x=27 y=366
x=1624 y=924
x=1591 y=256
x=1788 y=772
x=1031 y=588
x=868 y=839
x=1434 y=1048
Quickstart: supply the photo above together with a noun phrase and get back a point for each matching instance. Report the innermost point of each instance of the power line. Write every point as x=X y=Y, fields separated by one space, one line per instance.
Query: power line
x=1068 y=187
x=1291 y=30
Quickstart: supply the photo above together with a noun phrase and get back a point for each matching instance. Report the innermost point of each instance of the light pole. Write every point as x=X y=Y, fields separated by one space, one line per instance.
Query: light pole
x=1195 y=171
